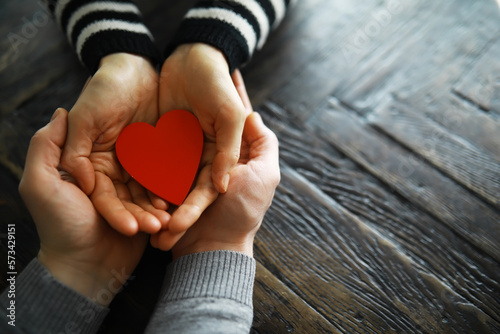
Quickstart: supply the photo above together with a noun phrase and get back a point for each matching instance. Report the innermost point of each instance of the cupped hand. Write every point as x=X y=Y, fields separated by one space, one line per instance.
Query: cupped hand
x=196 y=78
x=122 y=91
x=76 y=245
x=232 y=221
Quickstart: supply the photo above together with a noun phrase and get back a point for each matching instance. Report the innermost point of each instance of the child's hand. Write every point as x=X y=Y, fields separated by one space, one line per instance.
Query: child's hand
x=122 y=91
x=196 y=78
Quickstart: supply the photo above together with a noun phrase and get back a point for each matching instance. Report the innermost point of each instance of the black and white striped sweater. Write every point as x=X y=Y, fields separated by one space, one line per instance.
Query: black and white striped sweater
x=96 y=28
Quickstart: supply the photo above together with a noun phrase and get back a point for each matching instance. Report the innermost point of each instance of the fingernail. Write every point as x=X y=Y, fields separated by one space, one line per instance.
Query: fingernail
x=55 y=114
x=225 y=182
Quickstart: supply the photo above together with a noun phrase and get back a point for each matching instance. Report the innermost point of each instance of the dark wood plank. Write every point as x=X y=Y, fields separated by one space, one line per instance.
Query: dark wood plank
x=450 y=153
x=460 y=117
x=481 y=84
x=414 y=232
x=424 y=54
x=32 y=65
x=296 y=43
x=280 y=310
x=17 y=128
x=400 y=57
x=354 y=276
x=410 y=177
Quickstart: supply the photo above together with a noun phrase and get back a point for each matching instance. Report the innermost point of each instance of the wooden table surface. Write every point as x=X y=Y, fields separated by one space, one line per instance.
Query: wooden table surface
x=388 y=115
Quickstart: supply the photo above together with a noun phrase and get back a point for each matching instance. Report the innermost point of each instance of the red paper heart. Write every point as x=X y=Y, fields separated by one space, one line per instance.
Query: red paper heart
x=163 y=159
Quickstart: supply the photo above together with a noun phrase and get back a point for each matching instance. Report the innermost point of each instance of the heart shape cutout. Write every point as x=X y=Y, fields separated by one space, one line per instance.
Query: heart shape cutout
x=163 y=159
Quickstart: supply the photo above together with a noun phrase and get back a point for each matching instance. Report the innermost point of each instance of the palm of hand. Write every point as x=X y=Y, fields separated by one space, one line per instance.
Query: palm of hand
x=89 y=242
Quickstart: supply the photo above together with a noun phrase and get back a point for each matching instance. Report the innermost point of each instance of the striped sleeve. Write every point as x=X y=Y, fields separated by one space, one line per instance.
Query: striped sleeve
x=236 y=27
x=98 y=28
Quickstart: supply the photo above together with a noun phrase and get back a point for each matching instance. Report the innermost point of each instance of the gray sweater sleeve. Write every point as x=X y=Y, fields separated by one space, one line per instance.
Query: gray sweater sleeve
x=207 y=292
x=44 y=305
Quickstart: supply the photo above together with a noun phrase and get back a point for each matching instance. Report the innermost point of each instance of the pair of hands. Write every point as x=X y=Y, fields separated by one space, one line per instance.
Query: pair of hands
x=127 y=89
x=81 y=249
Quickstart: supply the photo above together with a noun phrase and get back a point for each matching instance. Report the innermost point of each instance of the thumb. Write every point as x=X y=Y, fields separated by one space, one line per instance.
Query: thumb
x=75 y=156
x=49 y=140
x=239 y=84
x=44 y=153
x=263 y=143
x=228 y=145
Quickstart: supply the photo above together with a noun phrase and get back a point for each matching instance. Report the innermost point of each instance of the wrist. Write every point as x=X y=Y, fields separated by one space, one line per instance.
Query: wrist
x=124 y=59
x=96 y=284
x=203 y=51
x=242 y=246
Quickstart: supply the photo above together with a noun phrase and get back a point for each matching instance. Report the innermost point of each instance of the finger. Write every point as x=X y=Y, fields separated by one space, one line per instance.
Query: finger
x=256 y=133
x=264 y=146
x=46 y=144
x=140 y=197
x=45 y=151
x=197 y=201
x=228 y=131
x=75 y=157
x=146 y=221
x=158 y=202
x=110 y=206
x=239 y=84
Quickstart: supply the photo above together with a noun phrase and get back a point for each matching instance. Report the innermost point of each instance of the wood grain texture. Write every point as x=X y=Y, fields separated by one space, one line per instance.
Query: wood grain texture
x=372 y=230
x=351 y=274
x=460 y=117
x=34 y=54
x=450 y=153
x=413 y=232
x=426 y=48
x=481 y=84
x=279 y=310
x=411 y=177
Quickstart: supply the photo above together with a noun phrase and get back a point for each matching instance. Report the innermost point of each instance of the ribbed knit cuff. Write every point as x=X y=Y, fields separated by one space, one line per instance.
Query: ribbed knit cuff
x=216 y=274
x=215 y=33
x=96 y=29
x=45 y=305
x=113 y=41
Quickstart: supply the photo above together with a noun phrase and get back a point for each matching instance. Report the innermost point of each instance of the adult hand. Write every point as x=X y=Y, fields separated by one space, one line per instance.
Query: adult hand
x=232 y=221
x=122 y=91
x=76 y=245
x=196 y=78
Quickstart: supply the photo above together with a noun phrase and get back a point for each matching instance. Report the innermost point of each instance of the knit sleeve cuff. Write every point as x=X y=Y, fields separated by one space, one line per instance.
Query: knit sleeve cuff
x=108 y=42
x=45 y=305
x=237 y=28
x=215 y=274
x=215 y=33
x=98 y=28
